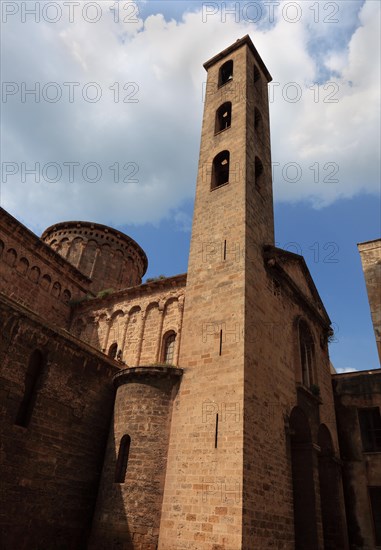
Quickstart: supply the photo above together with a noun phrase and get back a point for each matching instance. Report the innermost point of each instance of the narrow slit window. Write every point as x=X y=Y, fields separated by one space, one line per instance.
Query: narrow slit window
x=223 y=117
x=226 y=73
x=216 y=433
x=307 y=354
x=220 y=169
x=258 y=173
x=122 y=460
x=33 y=379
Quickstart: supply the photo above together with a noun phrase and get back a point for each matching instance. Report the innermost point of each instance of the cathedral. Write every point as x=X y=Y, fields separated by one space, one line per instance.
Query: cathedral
x=192 y=412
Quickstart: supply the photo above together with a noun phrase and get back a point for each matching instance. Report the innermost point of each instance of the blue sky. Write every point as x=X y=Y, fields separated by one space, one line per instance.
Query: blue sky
x=118 y=99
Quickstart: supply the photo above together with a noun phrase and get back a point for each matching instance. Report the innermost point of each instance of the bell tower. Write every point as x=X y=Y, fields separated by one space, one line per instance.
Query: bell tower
x=205 y=494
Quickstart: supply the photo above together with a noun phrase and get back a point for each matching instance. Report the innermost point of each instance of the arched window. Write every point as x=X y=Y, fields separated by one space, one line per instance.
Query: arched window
x=23 y=266
x=11 y=257
x=220 y=169
x=226 y=73
x=56 y=290
x=258 y=173
x=66 y=296
x=46 y=282
x=169 y=348
x=122 y=460
x=307 y=354
x=223 y=117
x=32 y=385
x=113 y=350
x=34 y=274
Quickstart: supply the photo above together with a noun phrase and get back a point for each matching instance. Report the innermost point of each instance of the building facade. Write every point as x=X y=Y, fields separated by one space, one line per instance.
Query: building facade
x=191 y=412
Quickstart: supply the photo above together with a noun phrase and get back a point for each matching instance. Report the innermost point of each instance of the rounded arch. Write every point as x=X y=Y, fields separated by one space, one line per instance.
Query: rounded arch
x=46 y=281
x=134 y=309
x=220 y=169
x=56 y=290
x=325 y=441
x=151 y=305
x=113 y=350
x=11 y=257
x=23 y=266
x=66 y=296
x=34 y=274
x=223 y=117
x=169 y=301
x=117 y=313
x=225 y=74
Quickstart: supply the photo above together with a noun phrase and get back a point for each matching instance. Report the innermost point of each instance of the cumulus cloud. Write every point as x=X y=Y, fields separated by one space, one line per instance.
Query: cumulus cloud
x=144 y=130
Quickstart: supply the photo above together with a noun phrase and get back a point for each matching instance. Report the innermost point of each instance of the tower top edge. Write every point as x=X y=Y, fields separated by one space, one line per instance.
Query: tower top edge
x=245 y=40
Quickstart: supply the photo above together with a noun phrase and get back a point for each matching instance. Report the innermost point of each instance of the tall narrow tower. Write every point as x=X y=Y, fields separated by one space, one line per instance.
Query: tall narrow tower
x=211 y=488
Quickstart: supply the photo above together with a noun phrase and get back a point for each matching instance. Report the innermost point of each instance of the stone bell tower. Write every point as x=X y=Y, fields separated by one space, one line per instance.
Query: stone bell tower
x=207 y=504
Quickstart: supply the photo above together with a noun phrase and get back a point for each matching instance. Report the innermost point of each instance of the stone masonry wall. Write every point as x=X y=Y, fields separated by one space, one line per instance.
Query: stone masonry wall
x=34 y=275
x=110 y=258
x=50 y=466
x=129 y=509
x=371 y=263
x=136 y=320
x=361 y=469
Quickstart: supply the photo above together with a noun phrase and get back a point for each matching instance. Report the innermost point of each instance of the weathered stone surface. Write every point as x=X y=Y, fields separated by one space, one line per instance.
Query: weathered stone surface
x=370 y=253
x=50 y=468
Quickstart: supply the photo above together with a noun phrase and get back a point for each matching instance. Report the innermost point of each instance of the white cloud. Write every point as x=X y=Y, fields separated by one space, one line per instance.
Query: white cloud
x=344 y=370
x=160 y=134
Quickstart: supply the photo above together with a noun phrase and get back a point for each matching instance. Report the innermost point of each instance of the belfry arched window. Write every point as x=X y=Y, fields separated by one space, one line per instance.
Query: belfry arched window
x=307 y=354
x=220 y=169
x=169 y=348
x=223 y=117
x=226 y=73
